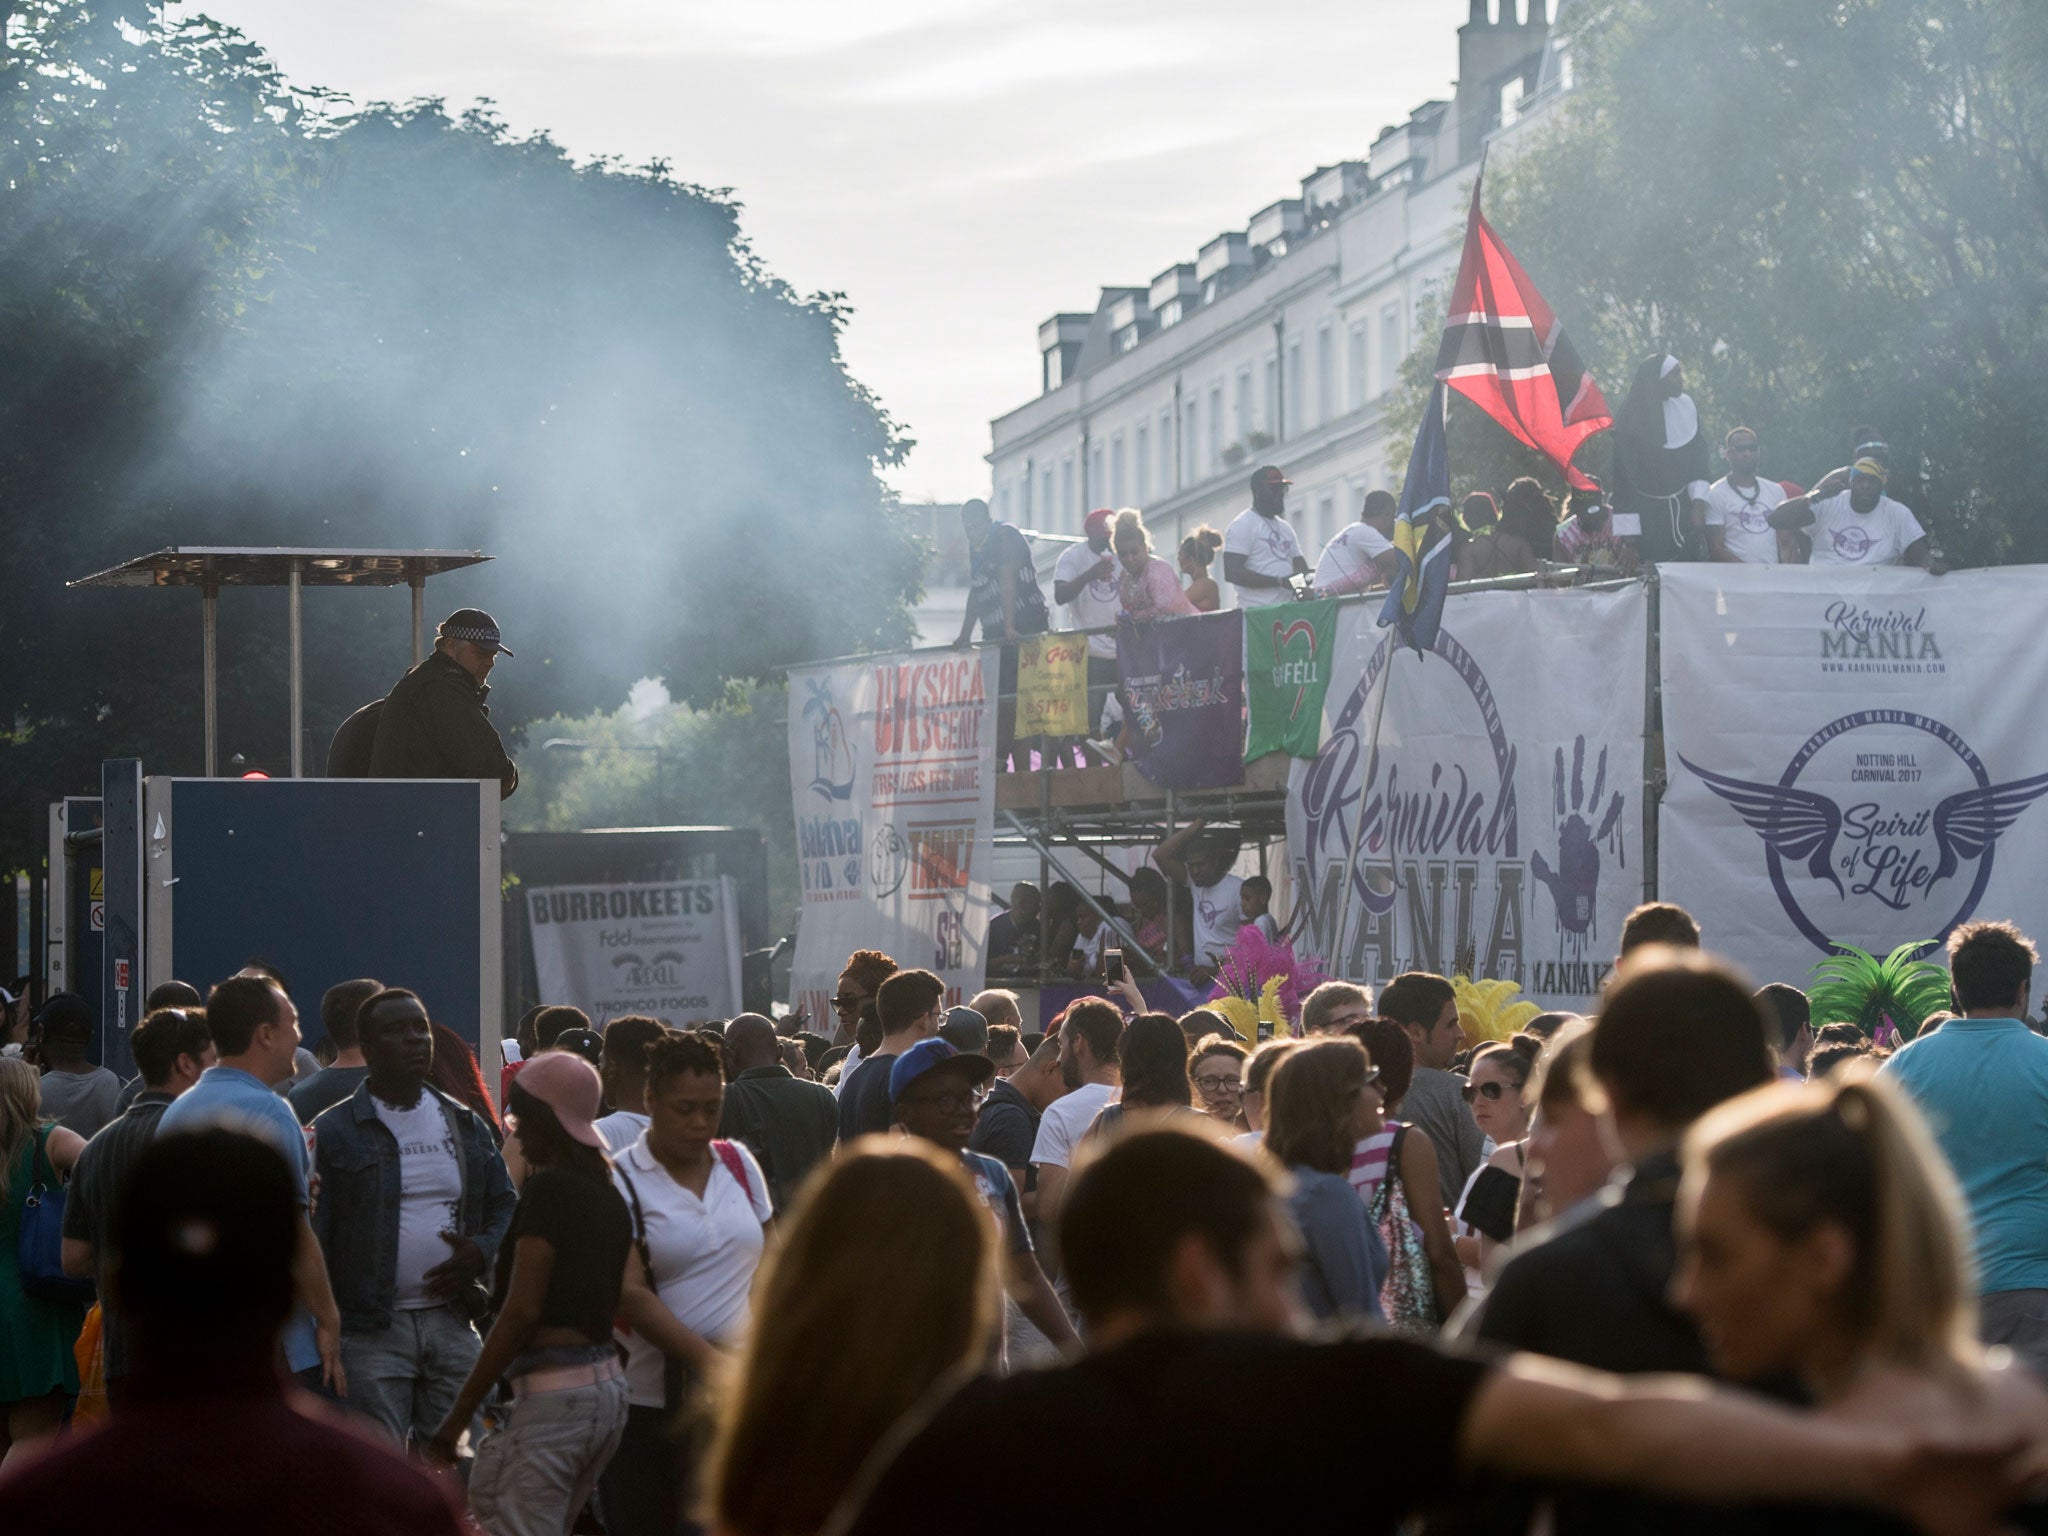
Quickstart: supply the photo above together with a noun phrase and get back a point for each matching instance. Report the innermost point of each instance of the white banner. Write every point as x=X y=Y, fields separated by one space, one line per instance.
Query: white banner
x=892 y=766
x=1851 y=755
x=1503 y=813
x=670 y=950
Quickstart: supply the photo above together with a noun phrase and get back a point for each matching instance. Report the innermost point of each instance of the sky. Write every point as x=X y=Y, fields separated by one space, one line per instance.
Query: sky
x=959 y=169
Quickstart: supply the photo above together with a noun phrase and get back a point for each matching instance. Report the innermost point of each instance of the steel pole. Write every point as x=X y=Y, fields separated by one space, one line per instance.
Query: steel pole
x=298 y=755
x=209 y=609
x=419 y=616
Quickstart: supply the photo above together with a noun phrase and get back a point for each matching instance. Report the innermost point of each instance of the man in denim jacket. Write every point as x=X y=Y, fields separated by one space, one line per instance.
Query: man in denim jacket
x=414 y=1200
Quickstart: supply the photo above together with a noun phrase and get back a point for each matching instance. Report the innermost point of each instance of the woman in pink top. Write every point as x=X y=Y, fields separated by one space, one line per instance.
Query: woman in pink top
x=1151 y=590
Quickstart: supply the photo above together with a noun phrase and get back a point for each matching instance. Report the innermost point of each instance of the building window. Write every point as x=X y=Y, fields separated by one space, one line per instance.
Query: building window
x=1003 y=509
x=1354 y=366
x=1098 y=485
x=1326 y=518
x=1273 y=396
x=1067 y=492
x=1511 y=93
x=1142 y=456
x=1390 y=347
x=1296 y=407
x=1165 y=450
x=1116 y=470
x=1188 y=459
x=1215 y=460
x=1244 y=404
x=1045 y=506
x=1326 y=372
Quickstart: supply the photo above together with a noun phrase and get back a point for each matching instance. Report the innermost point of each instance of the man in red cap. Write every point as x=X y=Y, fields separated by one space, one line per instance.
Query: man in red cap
x=1085 y=583
x=1261 y=555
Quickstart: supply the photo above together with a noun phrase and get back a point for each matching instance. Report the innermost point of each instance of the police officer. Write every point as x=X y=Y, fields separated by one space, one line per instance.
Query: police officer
x=435 y=724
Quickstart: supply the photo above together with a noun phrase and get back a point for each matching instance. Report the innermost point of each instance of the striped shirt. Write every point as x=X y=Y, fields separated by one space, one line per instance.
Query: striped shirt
x=1369 y=1162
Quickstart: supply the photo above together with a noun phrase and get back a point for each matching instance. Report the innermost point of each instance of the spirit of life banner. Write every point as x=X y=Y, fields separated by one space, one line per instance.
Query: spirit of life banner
x=669 y=949
x=1499 y=825
x=1851 y=756
x=892 y=766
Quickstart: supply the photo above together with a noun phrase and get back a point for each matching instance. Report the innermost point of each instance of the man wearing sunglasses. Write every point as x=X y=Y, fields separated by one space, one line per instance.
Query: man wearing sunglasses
x=935 y=1092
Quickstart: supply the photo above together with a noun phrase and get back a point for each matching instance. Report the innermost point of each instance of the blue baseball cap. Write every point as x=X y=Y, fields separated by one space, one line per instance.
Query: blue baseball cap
x=937 y=1056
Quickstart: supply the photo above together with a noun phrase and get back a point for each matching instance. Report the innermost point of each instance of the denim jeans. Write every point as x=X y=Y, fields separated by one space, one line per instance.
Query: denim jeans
x=405 y=1377
x=536 y=1469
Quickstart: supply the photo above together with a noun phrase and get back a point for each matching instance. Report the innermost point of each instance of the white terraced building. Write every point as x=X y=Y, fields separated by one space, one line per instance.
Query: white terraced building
x=1281 y=342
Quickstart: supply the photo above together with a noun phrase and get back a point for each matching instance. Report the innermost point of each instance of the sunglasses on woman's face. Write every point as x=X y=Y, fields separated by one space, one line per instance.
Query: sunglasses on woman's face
x=1491 y=1092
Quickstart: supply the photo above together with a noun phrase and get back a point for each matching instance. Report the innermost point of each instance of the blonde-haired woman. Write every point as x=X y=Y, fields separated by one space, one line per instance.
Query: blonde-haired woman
x=1824 y=1241
x=37 y=1371
x=893 y=1235
x=1150 y=588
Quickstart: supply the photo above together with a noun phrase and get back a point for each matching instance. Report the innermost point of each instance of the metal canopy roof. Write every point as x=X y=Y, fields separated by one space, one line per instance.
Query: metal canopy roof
x=199 y=565
x=210 y=567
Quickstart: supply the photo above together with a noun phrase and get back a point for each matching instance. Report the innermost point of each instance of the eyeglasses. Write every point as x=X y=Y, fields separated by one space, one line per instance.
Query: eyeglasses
x=1487 y=1091
x=948 y=1103
x=847 y=1003
x=1208 y=1082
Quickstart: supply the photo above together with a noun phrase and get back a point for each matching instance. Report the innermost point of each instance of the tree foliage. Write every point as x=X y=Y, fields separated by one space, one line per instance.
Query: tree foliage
x=234 y=311
x=1833 y=212
x=723 y=765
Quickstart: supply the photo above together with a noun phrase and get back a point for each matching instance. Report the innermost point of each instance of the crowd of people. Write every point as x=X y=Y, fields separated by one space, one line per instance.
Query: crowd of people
x=1685 y=1264
x=1062 y=932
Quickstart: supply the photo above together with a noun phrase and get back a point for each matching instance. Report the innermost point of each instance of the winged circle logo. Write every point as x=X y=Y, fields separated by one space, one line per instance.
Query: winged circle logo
x=1894 y=847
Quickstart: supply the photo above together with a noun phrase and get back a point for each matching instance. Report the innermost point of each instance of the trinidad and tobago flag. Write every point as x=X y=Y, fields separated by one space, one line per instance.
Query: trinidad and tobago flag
x=1505 y=352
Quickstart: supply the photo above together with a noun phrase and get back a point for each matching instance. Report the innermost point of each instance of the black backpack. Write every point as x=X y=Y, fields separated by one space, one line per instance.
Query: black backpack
x=348 y=755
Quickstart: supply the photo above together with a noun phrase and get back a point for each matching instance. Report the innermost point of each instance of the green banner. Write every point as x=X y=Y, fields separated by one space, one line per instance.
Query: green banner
x=1286 y=673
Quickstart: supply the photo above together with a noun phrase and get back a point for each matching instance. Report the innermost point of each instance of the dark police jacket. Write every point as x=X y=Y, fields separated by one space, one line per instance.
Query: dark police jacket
x=435 y=726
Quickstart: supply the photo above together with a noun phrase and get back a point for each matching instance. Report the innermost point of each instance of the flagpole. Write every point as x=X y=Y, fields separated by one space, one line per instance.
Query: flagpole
x=1372 y=753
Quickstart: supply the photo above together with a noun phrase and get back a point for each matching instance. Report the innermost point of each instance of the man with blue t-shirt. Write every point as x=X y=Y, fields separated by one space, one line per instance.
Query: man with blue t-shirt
x=255 y=1029
x=934 y=1093
x=1982 y=1082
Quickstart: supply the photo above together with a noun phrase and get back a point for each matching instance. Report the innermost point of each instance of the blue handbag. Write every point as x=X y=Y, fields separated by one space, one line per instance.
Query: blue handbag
x=39 y=1248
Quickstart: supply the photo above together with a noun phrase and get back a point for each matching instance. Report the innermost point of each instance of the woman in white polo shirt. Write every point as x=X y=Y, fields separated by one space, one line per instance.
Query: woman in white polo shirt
x=699 y=1207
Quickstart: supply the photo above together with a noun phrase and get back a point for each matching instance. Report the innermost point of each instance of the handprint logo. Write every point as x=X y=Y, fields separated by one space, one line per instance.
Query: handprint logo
x=1575 y=884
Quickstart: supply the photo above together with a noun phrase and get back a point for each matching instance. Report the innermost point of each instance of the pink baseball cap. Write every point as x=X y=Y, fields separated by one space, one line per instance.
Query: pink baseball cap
x=569 y=1086
x=1101 y=517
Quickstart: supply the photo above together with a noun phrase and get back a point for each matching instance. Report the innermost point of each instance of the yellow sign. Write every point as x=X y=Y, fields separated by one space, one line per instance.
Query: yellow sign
x=1052 y=685
x=99 y=885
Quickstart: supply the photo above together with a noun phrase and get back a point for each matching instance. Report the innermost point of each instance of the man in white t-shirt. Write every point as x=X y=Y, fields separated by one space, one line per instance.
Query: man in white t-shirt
x=1857 y=526
x=1739 y=506
x=1361 y=556
x=1085 y=583
x=406 y=1336
x=1218 y=913
x=1088 y=1042
x=1260 y=552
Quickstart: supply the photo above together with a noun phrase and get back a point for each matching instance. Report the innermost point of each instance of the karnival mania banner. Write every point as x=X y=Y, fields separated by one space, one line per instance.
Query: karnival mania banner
x=669 y=949
x=1851 y=755
x=892 y=765
x=1503 y=810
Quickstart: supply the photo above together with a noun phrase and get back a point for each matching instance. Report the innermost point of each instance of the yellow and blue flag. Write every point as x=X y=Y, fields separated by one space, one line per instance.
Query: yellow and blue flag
x=1416 y=602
